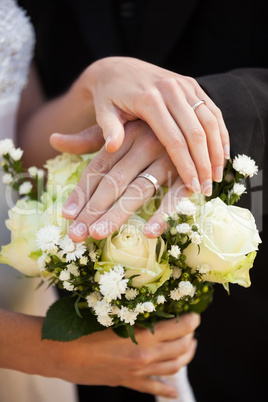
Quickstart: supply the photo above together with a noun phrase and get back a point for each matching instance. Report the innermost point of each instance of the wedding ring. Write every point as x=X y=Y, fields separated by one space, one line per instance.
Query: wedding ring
x=198 y=104
x=152 y=179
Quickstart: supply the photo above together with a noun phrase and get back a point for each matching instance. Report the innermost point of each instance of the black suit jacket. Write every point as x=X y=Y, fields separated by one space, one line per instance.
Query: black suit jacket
x=224 y=45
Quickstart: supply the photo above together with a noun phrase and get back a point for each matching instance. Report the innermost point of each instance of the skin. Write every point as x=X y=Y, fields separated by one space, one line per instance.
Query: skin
x=94 y=359
x=115 y=175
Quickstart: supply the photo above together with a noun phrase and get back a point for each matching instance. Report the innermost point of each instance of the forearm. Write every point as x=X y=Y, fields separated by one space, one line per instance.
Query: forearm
x=69 y=113
x=21 y=346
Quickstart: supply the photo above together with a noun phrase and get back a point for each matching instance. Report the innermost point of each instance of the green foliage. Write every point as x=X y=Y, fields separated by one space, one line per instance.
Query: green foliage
x=63 y=324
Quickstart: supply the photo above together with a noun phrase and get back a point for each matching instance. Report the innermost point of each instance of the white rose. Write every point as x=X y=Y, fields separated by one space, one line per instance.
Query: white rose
x=229 y=241
x=23 y=222
x=131 y=248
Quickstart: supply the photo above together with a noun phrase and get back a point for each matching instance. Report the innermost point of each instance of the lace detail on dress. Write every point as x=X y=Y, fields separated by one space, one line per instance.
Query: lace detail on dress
x=16 y=48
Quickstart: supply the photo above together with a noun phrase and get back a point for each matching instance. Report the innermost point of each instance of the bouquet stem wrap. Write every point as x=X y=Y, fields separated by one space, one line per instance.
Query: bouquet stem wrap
x=181 y=382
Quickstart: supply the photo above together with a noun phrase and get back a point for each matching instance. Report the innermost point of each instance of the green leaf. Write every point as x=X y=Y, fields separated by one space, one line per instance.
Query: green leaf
x=121 y=331
x=63 y=324
x=131 y=334
x=163 y=314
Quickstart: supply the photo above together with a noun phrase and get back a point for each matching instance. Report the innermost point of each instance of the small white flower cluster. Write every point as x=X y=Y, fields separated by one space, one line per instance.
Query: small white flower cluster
x=112 y=285
x=186 y=207
x=7 y=148
x=238 y=189
x=185 y=288
x=245 y=165
x=35 y=172
x=49 y=239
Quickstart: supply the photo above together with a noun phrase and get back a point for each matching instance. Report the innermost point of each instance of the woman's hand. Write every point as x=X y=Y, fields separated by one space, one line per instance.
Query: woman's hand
x=125 y=89
x=110 y=191
x=102 y=358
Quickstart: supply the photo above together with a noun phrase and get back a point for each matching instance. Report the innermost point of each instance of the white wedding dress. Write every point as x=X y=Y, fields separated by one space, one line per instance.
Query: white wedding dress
x=16 y=48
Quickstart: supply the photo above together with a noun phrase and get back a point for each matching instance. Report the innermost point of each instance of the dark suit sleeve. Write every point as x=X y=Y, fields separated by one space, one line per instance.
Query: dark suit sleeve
x=242 y=96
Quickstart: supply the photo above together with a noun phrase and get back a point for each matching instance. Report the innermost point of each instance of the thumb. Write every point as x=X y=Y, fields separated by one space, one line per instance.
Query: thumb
x=112 y=126
x=87 y=141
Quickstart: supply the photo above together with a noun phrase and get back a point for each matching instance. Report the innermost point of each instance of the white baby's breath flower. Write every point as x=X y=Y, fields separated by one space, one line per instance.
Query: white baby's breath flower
x=48 y=238
x=139 y=308
x=64 y=275
x=185 y=288
x=148 y=307
x=173 y=231
x=238 y=189
x=183 y=228
x=131 y=293
x=175 y=251
x=83 y=260
x=186 y=207
x=204 y=268
x=41 y=262
x=195 y=238
x=93 y=298
x=174 y=216
x=92 y=252
x=6 y=146
x=176 y=273
x=73 y=269
x=16 y=153
x=68 y=286
x=7 y=178
x=128 y=316
x=33 y=171
x=25 y=188
x=160 y=299
x=71 y=249
x=112 y=284
x=102 y=310
x=165 y=217
x=245 y=165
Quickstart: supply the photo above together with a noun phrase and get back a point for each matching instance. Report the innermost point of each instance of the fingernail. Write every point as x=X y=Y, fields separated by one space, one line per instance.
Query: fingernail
x=154 y=228
x=207 y=187
x=79 y=229
x=70 y=209
x=218 y=173
x=108 y=139
x=196 y=185
x=226 y=149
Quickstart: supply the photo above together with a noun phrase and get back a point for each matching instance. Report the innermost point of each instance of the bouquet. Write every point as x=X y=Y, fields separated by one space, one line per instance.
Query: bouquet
x=126 y=279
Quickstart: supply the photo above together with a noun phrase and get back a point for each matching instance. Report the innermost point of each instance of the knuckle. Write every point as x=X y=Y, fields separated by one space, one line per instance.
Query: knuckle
x=205 y=167
x=98 y=166
x=217 y=113
x=115 y=178
x=141 y=357
x=168 y=83
x=198 y=134
x=218 y=156
x=190 y=322
x=179 y=142
x=141 y=189
x=150 y=97
x=211 y=122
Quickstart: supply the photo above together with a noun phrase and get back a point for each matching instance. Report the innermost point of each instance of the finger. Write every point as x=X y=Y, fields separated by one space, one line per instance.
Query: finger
x=171 y=367
x=87 y=141
x=174 y=329
x=112 y=126
x=156 y=114
x=151 y=386
x=225 y=139
x=196 y=138
x=137 y=193
x=211 y=126
x=156 y=225
x=113 y=185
